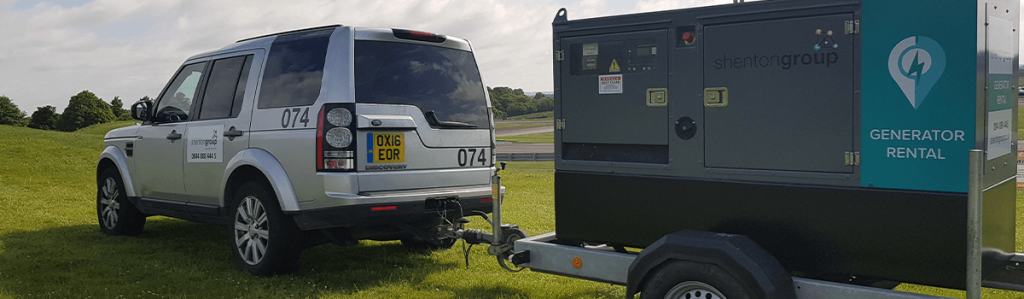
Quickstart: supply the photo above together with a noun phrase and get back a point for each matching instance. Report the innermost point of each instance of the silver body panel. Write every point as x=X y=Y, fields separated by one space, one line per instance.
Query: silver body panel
x=285 y=156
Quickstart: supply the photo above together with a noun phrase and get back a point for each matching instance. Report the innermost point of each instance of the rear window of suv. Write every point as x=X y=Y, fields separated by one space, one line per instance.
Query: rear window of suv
x=444 y=83
x=295 y=69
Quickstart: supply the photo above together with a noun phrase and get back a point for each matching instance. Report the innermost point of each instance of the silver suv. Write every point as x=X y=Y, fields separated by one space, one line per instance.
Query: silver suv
x=329 y=134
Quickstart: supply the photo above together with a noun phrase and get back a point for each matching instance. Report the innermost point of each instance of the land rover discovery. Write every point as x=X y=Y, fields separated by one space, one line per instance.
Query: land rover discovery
x=328 y=134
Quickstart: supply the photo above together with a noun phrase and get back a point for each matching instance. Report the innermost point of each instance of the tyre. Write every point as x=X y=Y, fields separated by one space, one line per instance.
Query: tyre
x=116 y=215
x=264 y=241
x=680 y=279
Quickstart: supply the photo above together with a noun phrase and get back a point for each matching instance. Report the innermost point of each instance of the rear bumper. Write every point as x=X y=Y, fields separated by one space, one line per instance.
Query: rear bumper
x=407 y=207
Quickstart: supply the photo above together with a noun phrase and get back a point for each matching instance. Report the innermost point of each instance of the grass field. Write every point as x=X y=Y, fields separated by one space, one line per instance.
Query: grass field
x=534 y=116
x=51 y=247
x=529 y=138
x=522 y=125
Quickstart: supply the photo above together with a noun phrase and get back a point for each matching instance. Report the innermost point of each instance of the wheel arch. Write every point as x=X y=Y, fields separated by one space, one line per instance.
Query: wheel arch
x=114 y=157
x=741 y=257
x=258 y=165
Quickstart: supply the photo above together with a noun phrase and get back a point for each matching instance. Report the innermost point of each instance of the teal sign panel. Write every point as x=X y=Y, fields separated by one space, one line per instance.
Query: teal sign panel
x=918 y=71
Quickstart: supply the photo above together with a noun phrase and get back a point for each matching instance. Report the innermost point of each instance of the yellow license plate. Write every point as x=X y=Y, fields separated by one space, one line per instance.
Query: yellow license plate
x=385 y=147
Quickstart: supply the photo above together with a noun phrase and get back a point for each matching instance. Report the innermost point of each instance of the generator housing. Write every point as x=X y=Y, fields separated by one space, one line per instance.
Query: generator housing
x=833 y=133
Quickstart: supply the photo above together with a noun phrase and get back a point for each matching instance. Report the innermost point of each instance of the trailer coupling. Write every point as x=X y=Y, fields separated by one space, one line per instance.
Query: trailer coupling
x=502 y=237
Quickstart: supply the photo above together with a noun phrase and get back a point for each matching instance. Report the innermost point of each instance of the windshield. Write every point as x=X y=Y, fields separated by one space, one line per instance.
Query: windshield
x=444 y=83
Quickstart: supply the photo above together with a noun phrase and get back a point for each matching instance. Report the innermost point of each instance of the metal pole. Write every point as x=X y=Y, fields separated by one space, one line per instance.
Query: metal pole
x=496 y=198
x=975 y=187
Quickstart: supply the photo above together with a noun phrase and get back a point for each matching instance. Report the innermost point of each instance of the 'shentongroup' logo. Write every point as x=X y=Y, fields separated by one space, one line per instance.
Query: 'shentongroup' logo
x=916 y=63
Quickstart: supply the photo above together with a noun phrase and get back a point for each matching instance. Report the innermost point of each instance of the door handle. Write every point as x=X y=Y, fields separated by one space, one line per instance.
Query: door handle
x=173 y=135
x=231 y=133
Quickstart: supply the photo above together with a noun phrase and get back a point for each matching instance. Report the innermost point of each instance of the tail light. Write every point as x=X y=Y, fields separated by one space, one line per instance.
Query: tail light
x=335 y=138
x=419 y=35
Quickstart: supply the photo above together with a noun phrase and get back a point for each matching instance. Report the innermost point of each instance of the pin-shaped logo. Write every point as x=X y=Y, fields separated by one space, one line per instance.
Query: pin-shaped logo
x=916 y=63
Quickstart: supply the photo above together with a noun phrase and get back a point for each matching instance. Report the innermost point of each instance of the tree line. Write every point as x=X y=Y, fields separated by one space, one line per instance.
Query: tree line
x=83 y=110
x=86 y=109
x=508 y=102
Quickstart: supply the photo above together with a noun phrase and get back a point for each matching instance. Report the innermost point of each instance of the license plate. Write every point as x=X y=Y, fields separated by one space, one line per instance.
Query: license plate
x=385 y=147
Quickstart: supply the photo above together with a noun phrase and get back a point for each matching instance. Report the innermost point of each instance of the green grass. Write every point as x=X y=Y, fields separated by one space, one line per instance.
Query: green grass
x=522 y=125
x=50 y=245
x=529 y=138
x=101 y=129
x=534 y=116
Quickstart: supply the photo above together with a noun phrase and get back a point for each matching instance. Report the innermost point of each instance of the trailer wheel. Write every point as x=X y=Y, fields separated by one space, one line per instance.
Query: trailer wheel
x=686 y=280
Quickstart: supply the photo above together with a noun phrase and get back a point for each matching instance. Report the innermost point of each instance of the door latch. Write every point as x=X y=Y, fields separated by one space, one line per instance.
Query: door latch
x=716 y=97
x=657 y=97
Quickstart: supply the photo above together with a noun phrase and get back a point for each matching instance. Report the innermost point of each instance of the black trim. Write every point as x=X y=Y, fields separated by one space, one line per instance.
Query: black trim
x=361 y=215
x=759 y=273
x=187 y=211
x=814 y=231
x=289 y=32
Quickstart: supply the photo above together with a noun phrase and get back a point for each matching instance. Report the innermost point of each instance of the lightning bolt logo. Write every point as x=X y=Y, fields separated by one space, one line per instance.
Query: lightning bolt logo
x=916 y=63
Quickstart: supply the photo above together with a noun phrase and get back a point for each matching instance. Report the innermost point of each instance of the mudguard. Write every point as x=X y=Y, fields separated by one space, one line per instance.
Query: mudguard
x=116 y=156
x=746 y=261
x=271 y=169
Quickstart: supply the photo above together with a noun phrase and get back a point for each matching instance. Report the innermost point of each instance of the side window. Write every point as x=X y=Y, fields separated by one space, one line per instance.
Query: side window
x=176 y=101
x=225 y=88
x=294 y=69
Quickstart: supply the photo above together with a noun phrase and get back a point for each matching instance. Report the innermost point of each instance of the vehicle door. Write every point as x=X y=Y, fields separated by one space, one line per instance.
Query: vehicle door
x=220 y=127
x=617 y=88
x=160 y=146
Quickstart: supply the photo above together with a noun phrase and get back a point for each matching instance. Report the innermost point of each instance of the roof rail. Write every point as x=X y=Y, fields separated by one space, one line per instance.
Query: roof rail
x=292 y=31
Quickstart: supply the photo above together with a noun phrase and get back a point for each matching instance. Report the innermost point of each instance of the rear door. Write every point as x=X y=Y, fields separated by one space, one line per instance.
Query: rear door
x=790 y=101
x=220 y=127
x=421 y=109
x=615 y=97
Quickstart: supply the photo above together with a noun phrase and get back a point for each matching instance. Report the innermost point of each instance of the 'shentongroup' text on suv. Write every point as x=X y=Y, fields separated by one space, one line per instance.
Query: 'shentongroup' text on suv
x=329 y=134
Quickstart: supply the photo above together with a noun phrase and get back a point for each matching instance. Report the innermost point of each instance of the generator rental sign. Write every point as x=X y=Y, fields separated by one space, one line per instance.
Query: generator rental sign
x=917 y=125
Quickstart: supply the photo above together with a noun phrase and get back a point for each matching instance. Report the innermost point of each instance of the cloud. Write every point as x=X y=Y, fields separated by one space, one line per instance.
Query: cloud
x=130 y=48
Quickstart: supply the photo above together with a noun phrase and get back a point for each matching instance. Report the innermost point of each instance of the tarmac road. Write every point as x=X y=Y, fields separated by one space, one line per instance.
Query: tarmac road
x=502 y=132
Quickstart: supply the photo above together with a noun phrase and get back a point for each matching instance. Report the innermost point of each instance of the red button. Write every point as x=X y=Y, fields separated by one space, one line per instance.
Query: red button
x=688 y=37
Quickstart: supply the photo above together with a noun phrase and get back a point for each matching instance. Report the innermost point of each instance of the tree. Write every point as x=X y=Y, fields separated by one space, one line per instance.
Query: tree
x=45 y=118
x=84 y=109
x=9 y=113
x=539 y=95
x=117 y=108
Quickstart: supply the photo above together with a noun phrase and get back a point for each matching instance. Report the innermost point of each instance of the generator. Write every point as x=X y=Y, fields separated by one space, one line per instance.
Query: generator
x=833 y=133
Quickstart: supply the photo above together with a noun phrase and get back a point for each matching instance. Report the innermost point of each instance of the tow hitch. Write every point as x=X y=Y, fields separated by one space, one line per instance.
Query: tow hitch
x=502 y=236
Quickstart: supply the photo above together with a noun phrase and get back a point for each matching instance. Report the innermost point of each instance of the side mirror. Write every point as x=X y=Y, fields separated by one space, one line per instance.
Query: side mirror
x=140 y=110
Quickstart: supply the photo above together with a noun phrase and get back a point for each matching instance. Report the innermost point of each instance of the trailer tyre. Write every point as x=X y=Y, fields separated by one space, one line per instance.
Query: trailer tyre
x=686 y=280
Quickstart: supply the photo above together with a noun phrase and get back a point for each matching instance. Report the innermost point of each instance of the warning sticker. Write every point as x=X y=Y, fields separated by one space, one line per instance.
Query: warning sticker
x=609 y=84
x=614 y=67
x=205 y=144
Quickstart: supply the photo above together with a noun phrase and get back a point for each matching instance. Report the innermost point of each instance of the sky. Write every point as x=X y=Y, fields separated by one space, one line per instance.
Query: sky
x=52 y=50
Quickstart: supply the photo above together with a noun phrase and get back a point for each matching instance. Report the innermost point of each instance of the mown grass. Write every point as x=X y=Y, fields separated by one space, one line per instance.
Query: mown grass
x=529 y=138
x=51 y=246
x=534 y=116
x=522 y=125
